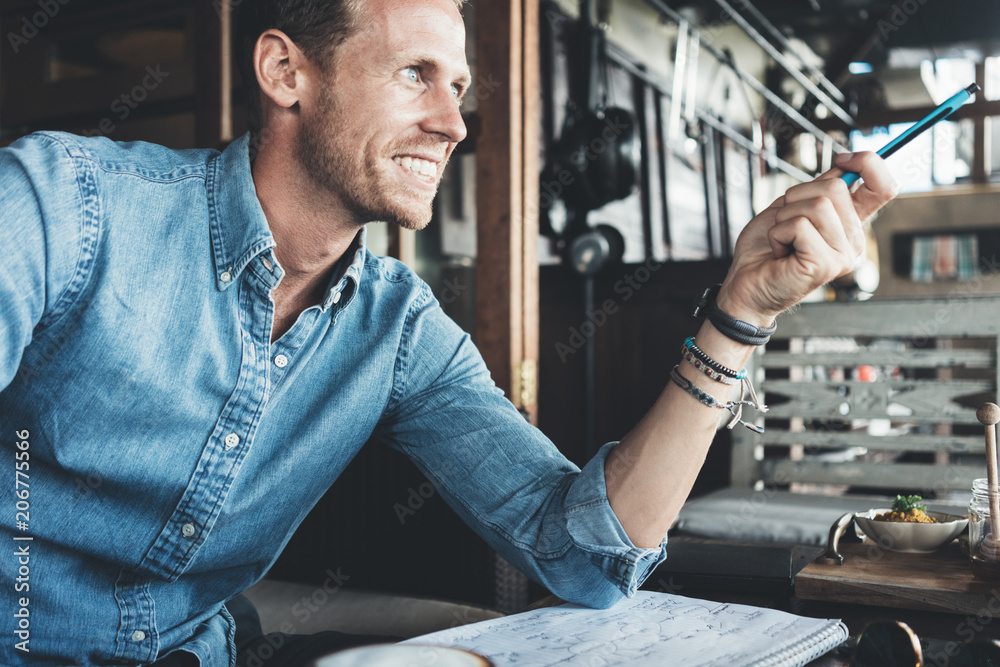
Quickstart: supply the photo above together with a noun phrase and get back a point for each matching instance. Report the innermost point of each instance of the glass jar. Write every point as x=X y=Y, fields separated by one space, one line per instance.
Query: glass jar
x=985 y=564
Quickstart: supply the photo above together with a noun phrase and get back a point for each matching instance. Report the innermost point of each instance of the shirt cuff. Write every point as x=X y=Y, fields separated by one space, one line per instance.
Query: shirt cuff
x=594 y=528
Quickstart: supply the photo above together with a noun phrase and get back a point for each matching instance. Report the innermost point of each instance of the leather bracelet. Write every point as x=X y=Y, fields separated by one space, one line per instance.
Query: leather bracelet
x=729 y=326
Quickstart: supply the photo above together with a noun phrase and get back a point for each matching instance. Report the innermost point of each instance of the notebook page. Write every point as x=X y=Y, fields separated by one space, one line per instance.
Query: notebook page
x=649 y=629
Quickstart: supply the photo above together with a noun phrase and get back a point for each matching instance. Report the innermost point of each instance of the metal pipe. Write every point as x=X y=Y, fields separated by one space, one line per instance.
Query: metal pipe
x=680 y=79
x=830 y=86
x=760 y=88
x=660 y=86
x=827 y=101
x=772 y=160
x=691 y=89
x=589 y=376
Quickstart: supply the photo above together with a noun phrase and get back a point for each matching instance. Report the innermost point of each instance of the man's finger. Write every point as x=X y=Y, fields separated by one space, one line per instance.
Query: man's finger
x=877 y=187
x=825 y=215
x=814 y=254
x=846 y=224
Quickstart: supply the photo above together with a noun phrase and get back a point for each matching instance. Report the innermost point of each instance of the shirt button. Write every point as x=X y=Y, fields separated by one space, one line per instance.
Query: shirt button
x=281 y=361
x=267 y=264
x=232 y=440
x=336 y=297
x=225 y=277
x=187 y=530
x=138 y=636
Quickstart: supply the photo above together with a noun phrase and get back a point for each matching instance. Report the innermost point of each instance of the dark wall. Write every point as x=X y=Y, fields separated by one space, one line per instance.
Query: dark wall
x=386 y=528
x=646 y=315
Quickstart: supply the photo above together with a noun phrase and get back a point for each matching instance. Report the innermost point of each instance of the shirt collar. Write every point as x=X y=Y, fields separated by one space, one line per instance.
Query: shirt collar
x=240 y=231
x=238 y=225
x=347 y=274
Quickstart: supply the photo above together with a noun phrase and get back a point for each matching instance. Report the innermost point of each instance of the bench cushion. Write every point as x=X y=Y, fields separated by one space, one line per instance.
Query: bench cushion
x=309 y=609
x=779 y=516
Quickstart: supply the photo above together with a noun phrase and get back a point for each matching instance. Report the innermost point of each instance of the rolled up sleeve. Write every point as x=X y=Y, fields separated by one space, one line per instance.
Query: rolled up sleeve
x=595 y=528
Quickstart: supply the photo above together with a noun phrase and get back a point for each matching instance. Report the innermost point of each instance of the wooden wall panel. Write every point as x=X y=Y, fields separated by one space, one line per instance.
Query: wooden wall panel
x=507 y=189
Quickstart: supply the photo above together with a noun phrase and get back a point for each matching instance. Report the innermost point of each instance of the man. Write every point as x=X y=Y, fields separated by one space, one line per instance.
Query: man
x=193 y=346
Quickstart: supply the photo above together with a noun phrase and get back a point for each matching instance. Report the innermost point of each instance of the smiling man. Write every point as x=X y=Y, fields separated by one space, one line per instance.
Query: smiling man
x=193 y=345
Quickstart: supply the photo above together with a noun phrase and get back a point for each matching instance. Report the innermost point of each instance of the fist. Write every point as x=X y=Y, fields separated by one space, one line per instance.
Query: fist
x=809 y=236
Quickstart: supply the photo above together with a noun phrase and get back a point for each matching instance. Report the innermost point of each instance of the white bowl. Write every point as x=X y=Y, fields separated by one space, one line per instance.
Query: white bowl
x=912 y=538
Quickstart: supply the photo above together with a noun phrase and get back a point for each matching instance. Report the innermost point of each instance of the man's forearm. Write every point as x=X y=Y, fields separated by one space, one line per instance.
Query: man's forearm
x=651 y=471
x=806 y=238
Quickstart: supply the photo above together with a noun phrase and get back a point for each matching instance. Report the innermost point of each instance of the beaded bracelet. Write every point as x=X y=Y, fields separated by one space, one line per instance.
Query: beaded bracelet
x=690 y=357
x=689 y=345
x=735 y=408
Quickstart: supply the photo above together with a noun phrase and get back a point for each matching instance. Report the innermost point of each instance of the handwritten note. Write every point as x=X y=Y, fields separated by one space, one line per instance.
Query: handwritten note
x=649 y=629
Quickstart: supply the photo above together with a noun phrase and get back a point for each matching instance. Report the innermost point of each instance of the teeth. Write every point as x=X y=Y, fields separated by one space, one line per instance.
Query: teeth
x=417 y=166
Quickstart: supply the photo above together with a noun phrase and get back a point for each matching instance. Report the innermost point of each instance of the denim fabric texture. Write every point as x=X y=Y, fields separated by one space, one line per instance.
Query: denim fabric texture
x=174 y=449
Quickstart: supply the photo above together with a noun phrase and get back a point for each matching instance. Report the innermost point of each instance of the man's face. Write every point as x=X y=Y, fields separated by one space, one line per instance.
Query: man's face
x=380 y=131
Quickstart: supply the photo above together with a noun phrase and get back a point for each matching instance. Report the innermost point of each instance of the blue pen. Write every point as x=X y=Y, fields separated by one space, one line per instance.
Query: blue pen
x=942 y=112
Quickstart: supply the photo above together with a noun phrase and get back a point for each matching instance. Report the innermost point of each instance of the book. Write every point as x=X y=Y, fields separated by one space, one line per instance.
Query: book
x=649 y=629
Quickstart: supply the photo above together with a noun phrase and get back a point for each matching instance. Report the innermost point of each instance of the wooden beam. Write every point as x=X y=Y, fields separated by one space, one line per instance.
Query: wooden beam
x=970 y=358
x=980 y=170
x=921 y=319
x=507 y=196
x=976 y=109
x=964 y=444
x=213 y=75
x=531 y=100
x=402 y=245
x=880 y=475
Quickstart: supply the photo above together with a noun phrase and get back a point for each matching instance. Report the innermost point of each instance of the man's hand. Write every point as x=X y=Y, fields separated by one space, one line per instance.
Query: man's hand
x=806 y=238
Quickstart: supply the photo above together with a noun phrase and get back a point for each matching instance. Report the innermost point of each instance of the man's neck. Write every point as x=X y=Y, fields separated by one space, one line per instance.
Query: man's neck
x=311 y=233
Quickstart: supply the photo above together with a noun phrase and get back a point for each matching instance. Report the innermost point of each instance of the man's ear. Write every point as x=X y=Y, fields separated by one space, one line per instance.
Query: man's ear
x=278 y=63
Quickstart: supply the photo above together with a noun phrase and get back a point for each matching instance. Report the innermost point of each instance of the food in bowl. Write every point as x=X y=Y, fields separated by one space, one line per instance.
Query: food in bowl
x=909 y=536
x=907 y=509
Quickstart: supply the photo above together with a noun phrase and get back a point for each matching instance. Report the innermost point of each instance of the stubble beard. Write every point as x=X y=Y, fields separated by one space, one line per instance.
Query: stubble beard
x=362 y=186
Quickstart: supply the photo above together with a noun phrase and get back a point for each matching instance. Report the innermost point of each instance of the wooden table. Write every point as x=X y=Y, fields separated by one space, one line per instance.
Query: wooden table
x=938 y=582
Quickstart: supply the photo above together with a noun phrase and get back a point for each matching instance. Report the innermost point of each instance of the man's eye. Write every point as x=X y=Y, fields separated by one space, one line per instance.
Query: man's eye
x=412 y=74
x=455 y=92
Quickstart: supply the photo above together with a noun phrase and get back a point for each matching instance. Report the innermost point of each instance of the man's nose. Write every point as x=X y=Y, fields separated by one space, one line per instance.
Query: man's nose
x=444 y=117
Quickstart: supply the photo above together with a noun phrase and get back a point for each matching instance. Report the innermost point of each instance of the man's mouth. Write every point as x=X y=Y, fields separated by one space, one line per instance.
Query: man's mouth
x=425 y=169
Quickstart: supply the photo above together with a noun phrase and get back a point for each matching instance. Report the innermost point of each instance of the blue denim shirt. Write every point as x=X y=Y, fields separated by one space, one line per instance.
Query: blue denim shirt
x=171 y=448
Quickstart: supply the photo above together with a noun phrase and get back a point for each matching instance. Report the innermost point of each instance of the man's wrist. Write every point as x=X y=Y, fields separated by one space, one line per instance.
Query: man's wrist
x=732 y=326
x=721 y=348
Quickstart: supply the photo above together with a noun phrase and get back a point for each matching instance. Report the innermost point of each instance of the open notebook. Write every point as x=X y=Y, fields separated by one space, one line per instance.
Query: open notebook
x=649 y=629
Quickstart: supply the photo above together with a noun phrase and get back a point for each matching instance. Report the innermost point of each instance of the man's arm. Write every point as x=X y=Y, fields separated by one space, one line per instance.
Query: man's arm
x=510 y=483
x=805 y=239
x=41 y=209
